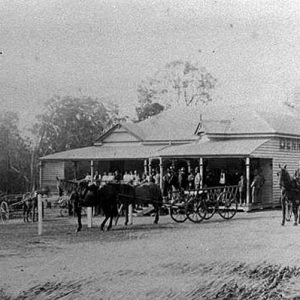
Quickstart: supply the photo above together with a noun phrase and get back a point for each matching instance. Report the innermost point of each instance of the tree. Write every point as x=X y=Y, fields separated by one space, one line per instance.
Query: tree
x=148 y=110
x=69 y=123
x=178 y=83
x=113 y=110
x=14 y=156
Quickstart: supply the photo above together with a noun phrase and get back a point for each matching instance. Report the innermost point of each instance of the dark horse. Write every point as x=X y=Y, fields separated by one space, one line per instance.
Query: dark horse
x=290 y=191
x=112 y=195
x=30 y=204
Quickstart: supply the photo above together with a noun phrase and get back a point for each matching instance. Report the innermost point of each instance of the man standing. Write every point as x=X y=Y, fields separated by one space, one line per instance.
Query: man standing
x=198 y=179
x=182 y=179
x=256 y=187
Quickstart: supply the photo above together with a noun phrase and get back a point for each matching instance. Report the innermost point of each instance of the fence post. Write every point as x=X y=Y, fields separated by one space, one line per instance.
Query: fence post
x=130 y=214
x=40 y=214
x=89 y=217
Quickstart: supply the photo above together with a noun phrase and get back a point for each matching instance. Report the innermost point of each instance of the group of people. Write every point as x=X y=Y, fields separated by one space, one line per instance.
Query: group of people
x=129 y=177
x=181 y=179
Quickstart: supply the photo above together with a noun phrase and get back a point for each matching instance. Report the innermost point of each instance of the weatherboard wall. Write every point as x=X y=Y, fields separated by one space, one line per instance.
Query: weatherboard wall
x=282 y=151
x=51 y=170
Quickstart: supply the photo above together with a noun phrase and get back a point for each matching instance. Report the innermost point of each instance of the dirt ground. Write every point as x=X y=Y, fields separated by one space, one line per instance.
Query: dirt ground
x=249 y=257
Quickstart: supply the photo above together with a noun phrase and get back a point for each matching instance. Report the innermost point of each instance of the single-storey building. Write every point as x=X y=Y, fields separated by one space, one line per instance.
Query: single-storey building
x=236 y=139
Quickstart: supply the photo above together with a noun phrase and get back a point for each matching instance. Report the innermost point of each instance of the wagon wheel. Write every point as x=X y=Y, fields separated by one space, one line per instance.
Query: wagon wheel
x=228 y=205
x=195 y=209
x=178 y=214
x=210 y=207
x=288 y=210
x=177 y=209
x=4 y=210
x=64 y=211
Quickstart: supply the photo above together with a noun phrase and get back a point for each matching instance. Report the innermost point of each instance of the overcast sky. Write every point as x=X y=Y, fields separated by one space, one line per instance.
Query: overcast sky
x=105 y=48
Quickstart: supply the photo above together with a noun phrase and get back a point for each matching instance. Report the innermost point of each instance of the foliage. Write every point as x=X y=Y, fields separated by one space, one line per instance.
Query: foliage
x=70 y=123
x=148 y=110
x=113 y=111
x=179 y=83
x=14 y=156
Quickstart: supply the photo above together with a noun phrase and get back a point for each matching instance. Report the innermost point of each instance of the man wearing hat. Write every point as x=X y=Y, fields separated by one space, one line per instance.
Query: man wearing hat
x=183 y=179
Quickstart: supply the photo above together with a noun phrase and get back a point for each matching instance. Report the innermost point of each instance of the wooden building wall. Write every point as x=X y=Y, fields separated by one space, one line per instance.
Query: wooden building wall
x=49 y=172
x=283 y=152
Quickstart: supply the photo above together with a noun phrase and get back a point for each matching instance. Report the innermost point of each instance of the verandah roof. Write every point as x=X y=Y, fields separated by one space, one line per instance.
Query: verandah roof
x=211 y=148
x=105 y=153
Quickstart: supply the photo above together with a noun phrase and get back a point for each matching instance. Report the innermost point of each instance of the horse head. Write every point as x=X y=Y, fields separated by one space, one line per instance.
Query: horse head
x=284 y=177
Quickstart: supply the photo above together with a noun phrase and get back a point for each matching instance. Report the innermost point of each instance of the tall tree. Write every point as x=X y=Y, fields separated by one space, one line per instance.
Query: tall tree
x=70 y=123
x=178 y=83
x=14 y=155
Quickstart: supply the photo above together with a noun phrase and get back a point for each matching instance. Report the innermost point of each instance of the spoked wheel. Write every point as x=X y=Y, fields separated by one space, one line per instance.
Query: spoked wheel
x=4 y=210
x=64 y=212
x=228 y=205
x=288 y=210
x=177 y=212
x=195 y=210
x=210 y=209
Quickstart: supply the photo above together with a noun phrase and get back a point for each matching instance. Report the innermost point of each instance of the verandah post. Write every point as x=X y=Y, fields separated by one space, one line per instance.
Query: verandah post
x=89 y=209
x=247 y=181
x=40 y=214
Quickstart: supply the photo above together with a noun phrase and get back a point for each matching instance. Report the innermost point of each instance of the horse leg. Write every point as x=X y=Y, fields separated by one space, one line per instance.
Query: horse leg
x=156 y=214
x=283 y=200
x=126 y=214
x=79 y=224
x=103 y=223
x=33 y=213
x=110 y=222
x=24 y=213
x=295 y=212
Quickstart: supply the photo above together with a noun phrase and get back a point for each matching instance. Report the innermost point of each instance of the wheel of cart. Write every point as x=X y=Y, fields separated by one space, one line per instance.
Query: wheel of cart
x=4 y=210
x=211 y=205
x=196 y=208
x=177 y=207
x=227 y=204
x=64 y=210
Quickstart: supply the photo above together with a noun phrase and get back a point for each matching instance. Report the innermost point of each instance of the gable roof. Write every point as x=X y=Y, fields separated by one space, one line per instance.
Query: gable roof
x=181 y=123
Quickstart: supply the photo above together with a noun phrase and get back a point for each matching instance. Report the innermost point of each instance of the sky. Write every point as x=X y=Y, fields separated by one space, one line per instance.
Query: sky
x=104 y=49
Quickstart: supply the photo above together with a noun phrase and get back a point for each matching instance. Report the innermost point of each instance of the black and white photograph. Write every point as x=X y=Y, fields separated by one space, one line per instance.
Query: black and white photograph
x=149 y=149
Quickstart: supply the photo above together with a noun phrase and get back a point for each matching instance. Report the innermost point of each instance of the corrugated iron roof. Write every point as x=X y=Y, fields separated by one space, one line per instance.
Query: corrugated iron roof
x=232 y=147
x=105 y=152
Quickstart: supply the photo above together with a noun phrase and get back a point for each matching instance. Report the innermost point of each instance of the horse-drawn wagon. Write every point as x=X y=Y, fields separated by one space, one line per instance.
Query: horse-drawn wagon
x=11 y=206
x=202 y=204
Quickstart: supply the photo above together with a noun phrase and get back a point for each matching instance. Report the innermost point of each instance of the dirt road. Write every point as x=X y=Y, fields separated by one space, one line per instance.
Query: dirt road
x=249 y=257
